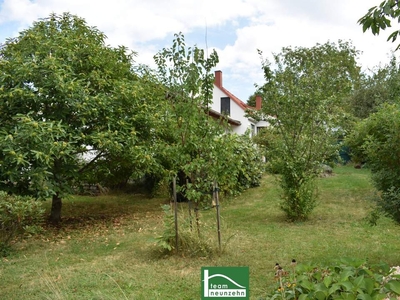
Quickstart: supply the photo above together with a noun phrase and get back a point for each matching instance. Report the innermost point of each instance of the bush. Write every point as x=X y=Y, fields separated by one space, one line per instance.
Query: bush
x=348 y=279
x=389 y=202
x=375 y=140
x=250 y=168
x=18 y=215
x=299 y=195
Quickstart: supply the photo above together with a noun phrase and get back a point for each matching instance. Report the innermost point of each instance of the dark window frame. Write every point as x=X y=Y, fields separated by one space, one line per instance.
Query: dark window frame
x=226 y=105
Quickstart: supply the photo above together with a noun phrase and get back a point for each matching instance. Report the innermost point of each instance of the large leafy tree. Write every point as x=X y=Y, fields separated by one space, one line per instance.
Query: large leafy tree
x=67 y=102
x=305 y=96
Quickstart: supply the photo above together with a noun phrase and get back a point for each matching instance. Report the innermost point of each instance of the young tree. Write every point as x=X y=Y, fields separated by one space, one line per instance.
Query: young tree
x=67 y=101
x=304 y=95
x=194 y=143
x=191 y=135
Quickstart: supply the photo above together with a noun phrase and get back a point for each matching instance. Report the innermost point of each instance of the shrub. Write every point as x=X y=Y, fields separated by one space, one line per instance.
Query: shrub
x=251 y=167
x=348 y=279
x=18 y=215
x=389 y=202
x=375 y=140
x=299 y=194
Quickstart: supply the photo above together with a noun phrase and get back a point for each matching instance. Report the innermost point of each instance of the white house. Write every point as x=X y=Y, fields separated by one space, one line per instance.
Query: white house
x=226 y=104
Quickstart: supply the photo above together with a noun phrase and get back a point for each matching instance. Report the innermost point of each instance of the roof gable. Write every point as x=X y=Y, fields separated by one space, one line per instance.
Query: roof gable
x=218 y=84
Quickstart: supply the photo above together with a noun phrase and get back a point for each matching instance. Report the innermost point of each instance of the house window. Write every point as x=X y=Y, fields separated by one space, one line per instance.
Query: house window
x=225 y=105
x=253 y=130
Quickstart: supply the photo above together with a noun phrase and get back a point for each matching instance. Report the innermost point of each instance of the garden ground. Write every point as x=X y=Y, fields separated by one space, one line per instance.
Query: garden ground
x=105 y=248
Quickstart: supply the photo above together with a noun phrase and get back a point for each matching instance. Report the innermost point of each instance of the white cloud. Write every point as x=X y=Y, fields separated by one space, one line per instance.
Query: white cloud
x=148 y=26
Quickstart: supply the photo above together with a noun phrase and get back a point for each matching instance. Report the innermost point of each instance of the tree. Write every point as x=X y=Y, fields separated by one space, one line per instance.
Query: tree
x=376 y=140
x=305 y=97
x=67 y=102
x=382 y=86
x=252 y=99
x=195 y=144
x=379 y=18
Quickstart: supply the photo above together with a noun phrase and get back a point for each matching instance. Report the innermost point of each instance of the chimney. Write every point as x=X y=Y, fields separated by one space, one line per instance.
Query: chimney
x=218 y=79
x=258 y=102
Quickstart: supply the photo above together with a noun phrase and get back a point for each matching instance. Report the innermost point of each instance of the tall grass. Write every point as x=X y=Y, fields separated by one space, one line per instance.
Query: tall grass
x=106 y=249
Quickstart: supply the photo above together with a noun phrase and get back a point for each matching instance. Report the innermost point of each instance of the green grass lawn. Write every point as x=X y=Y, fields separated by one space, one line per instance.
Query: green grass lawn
x=105 y=248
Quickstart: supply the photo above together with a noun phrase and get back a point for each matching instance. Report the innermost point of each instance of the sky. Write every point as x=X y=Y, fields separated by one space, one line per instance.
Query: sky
x=236 y=29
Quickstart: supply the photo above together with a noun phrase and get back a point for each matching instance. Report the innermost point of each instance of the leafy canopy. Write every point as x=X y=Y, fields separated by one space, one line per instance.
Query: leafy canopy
x=304 y=95
x=381 y=86
x=195 y=143
x=67 y=101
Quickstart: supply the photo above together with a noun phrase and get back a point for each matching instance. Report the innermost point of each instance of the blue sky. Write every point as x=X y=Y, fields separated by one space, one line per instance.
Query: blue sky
x=234 y=28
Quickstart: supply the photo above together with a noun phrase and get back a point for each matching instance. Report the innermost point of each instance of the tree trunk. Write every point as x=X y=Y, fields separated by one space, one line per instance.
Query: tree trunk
x=55 y=214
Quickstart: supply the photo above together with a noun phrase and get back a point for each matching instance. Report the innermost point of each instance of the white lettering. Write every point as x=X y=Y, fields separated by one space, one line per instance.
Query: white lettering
x=233 y=293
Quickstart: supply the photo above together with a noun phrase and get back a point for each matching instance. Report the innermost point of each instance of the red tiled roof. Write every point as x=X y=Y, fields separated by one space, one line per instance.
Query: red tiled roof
x=235 y=99
x=218 y=84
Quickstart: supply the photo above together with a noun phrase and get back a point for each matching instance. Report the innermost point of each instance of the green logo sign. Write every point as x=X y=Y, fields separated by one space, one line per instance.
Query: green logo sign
x=224 y=283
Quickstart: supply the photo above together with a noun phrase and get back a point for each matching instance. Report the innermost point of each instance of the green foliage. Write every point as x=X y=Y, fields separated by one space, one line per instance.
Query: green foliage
x=167 y=240
x=248 y=162
x=373 y=217
x=299 y=193
x=93 y=229
x=389 y=201
x=251 y=101
x=194 y=142
x=381 y=87
x=18 y=215
x=379 y=18
x=306 y=95
x=375 y=140
x=68 y=101
x=190 y=242
x=348 y=279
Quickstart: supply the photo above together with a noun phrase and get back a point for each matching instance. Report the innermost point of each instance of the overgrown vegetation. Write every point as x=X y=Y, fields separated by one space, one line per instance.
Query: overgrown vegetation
x=18 y=215
x=375 y=141
x=347 y=279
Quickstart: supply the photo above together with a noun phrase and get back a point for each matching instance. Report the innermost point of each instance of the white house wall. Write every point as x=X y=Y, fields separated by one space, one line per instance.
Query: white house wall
x=237 y=113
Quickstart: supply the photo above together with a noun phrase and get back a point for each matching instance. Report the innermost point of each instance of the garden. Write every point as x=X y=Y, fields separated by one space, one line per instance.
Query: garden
x=107 y=245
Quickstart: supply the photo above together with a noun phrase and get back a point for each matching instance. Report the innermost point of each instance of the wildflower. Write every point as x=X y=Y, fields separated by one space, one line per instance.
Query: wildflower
x=280 y=272
x=294 y=263
x=276 y=266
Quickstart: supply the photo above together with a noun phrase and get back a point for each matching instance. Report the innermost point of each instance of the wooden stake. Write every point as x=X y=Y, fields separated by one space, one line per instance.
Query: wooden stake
x=215 y=193
x=175 y=213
